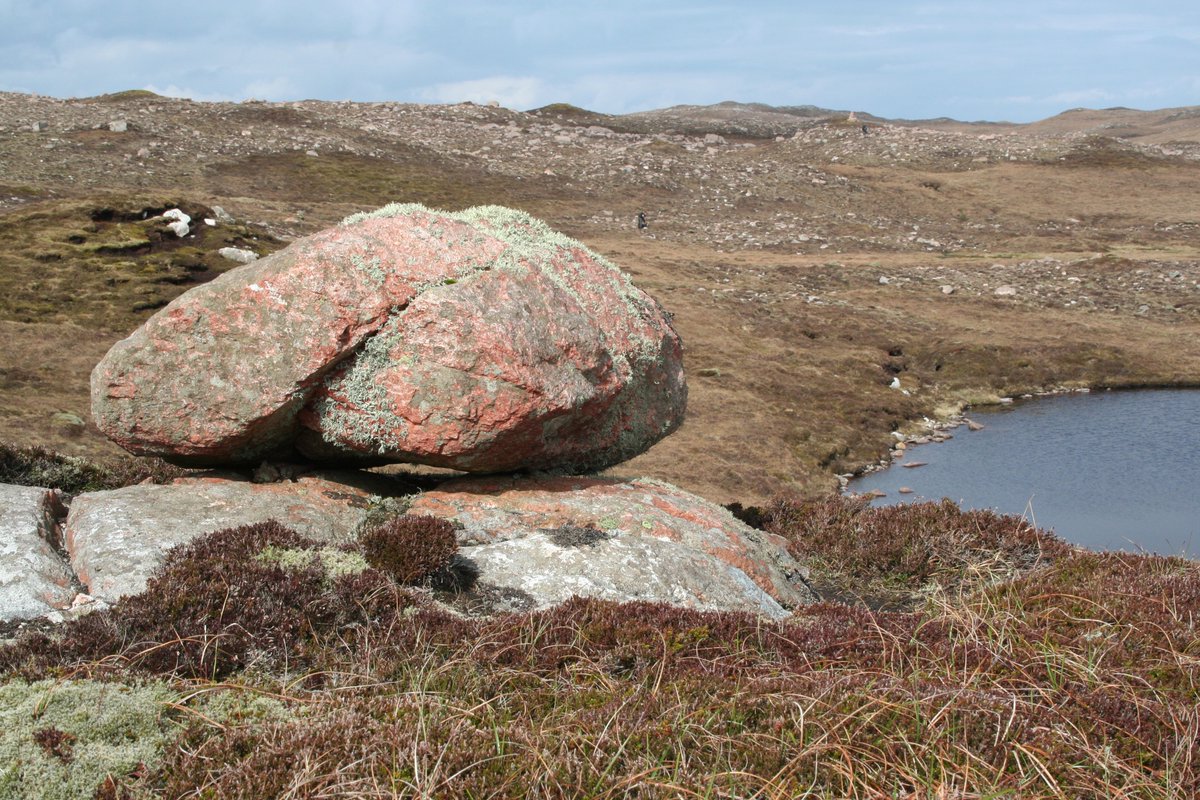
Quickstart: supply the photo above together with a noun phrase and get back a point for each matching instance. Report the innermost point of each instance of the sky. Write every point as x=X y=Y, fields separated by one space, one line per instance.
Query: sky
x=1017 y=61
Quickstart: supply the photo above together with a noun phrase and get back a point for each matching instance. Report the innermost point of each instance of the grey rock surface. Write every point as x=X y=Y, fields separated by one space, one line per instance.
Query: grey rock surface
x=117 y=538
x=620 y=568
x=554 y=537
x=34 y=579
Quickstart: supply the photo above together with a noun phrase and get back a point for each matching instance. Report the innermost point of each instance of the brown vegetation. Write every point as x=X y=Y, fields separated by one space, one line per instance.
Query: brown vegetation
x=411 y=549
x=39 y=466
x=1038 y=672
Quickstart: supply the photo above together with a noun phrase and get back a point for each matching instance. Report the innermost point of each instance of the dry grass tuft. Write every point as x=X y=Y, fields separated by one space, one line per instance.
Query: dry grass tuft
x=892 y=556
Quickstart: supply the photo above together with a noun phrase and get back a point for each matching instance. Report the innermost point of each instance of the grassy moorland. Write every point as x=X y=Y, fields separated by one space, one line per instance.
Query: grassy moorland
x=956 y=655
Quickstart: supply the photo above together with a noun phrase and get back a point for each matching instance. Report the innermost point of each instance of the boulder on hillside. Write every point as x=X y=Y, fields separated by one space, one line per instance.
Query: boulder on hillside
x=479 y=340
x=34 y=579
x=116 y=539
x=554 y=538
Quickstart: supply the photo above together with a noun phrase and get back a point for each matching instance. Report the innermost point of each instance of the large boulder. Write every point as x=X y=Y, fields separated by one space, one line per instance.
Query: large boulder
x=34 y=579
x=552 y=538
x=116 y=539
x=478 y=340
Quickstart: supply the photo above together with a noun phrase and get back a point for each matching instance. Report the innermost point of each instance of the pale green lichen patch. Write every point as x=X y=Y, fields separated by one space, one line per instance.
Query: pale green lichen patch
x=230 y=703
x=390 y=210
x=333 y=562
x=366 y=416
x=372 y=267
x=100 y=729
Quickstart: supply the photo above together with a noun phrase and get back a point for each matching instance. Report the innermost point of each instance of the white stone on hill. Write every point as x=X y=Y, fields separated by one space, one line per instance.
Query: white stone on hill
x=238 y=254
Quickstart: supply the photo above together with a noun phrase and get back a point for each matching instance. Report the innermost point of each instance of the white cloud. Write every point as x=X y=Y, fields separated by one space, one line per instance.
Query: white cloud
x=1079 y=97
x=508 y=91
x=171 y=90
x=276 y=89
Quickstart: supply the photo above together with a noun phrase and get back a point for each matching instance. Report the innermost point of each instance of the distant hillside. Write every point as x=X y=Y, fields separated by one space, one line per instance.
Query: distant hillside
x=763 y=121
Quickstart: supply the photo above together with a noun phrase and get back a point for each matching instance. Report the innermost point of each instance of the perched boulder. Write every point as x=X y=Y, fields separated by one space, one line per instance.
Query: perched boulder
x=34 y=579
x=553 y=538
x=117 y=538
x=479 y=340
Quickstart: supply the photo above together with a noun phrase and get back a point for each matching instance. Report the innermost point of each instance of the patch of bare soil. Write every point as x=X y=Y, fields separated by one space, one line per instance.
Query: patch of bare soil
x=809 y=266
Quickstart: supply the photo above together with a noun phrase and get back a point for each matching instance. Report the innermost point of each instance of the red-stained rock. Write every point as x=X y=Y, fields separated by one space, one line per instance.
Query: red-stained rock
x=480 y=340
x=552 y=538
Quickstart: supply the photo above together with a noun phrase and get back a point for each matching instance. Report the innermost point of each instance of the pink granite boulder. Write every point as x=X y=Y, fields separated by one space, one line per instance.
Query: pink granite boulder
x=478 y=340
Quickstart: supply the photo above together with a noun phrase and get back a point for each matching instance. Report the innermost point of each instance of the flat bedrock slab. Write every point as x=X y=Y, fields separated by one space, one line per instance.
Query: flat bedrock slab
x=34 y=579
x=479 y=340
x=117 y=538
x=621 y=540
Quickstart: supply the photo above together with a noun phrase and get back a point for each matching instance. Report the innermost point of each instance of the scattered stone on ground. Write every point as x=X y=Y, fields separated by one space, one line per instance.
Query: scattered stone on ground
x=238 y=254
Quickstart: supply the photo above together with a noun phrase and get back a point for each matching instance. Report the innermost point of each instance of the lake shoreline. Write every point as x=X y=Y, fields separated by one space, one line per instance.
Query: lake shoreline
x=934 y=431
x=1110 y=472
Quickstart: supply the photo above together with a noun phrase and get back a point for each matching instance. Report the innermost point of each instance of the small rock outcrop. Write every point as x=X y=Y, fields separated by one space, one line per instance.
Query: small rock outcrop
x=116 y=539
x=554 y=538
x=478 y=340
x=34 y=579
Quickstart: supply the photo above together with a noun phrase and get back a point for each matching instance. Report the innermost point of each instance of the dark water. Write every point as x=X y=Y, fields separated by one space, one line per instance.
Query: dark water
x=1106 y=470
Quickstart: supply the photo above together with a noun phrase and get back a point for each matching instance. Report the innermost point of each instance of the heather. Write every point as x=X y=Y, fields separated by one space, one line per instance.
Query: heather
x=958 y=654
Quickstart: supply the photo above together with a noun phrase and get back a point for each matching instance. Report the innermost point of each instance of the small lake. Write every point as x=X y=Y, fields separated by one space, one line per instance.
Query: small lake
x=1106 y=470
